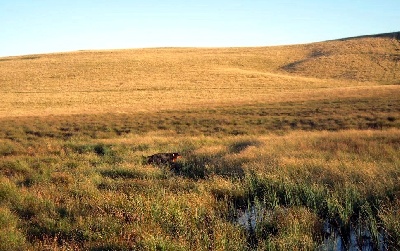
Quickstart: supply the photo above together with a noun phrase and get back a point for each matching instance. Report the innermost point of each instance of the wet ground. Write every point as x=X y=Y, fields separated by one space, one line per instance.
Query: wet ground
x=359 y=237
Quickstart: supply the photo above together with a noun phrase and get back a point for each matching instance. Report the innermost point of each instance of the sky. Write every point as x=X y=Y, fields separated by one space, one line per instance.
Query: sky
x=47 y=26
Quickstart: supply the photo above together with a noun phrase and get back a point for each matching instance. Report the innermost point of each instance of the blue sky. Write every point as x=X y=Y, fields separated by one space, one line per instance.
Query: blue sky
x=43 y=26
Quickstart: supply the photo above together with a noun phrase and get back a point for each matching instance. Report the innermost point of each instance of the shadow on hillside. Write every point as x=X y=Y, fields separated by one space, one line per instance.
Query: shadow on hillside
x=316 y=53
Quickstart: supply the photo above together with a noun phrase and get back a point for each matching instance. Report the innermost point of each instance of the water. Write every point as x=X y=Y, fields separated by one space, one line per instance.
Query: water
x=248 y=218
x=359 y=237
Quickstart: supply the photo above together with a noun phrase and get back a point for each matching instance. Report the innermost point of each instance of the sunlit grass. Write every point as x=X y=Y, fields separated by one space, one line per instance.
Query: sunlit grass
x=98 y=194
x=143 y=80
x=304 y=135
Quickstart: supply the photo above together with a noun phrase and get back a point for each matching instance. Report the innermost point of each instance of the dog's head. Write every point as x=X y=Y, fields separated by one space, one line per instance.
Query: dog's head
x=176 y=156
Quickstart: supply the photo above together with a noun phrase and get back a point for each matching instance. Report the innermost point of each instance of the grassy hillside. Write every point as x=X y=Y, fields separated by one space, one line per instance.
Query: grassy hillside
x=128 y=81
x=305 y=138
x=368 y=58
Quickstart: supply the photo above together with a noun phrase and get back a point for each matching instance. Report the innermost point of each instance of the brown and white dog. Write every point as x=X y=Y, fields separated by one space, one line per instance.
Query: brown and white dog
x=163 y=158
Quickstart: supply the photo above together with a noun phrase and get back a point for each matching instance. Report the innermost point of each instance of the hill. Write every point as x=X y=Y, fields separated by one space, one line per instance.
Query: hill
x=283 y=148
x=364 y=58
x=130 y=81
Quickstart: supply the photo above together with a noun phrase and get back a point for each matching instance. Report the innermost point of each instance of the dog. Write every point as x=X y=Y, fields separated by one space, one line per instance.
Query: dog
x=163 y=158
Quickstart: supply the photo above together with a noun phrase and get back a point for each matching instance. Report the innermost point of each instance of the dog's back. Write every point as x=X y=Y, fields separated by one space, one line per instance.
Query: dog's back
x=163 y=158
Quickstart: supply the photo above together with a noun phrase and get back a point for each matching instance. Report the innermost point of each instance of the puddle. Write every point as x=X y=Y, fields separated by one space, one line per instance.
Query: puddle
x=359 y=237
x=248 y=218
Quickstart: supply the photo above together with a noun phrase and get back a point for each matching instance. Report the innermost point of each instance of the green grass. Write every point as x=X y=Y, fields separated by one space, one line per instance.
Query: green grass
x=79 y=183
x=11 y=238
x=330 y=114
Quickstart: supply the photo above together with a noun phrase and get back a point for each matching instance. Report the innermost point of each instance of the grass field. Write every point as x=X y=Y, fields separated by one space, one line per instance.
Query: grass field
x=304 y=135
x=150 y=80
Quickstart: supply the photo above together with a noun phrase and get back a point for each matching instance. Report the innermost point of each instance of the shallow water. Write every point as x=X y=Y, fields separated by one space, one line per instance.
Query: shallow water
x=359 y=238
x=248 y=218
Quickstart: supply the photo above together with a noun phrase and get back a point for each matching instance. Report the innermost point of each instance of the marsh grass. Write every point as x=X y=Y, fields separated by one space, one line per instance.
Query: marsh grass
x=379 y=112
x=11 y=238
x=86 y=192
x=95 y=193
x=390 y=218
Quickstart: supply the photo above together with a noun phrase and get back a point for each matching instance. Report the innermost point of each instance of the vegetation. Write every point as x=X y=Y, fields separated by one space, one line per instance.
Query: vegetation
x=272 y=132
x=153 y=80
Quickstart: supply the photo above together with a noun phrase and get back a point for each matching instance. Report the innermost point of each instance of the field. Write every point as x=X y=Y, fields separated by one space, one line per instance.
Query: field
x=284 y=148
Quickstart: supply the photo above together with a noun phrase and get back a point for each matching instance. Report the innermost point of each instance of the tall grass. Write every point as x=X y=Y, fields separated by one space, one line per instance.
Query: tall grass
x=91 y=193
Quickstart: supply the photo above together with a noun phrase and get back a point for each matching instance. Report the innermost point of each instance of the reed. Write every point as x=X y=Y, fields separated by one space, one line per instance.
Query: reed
x=90 y=193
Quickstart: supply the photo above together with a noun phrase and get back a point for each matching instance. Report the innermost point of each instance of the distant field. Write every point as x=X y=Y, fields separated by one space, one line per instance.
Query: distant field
x=305 y=139
x=128 y=81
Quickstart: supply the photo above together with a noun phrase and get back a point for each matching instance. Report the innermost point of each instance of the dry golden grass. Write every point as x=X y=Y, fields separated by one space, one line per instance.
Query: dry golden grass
x=128 y=81
x=64 y=194
x=305 y=133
